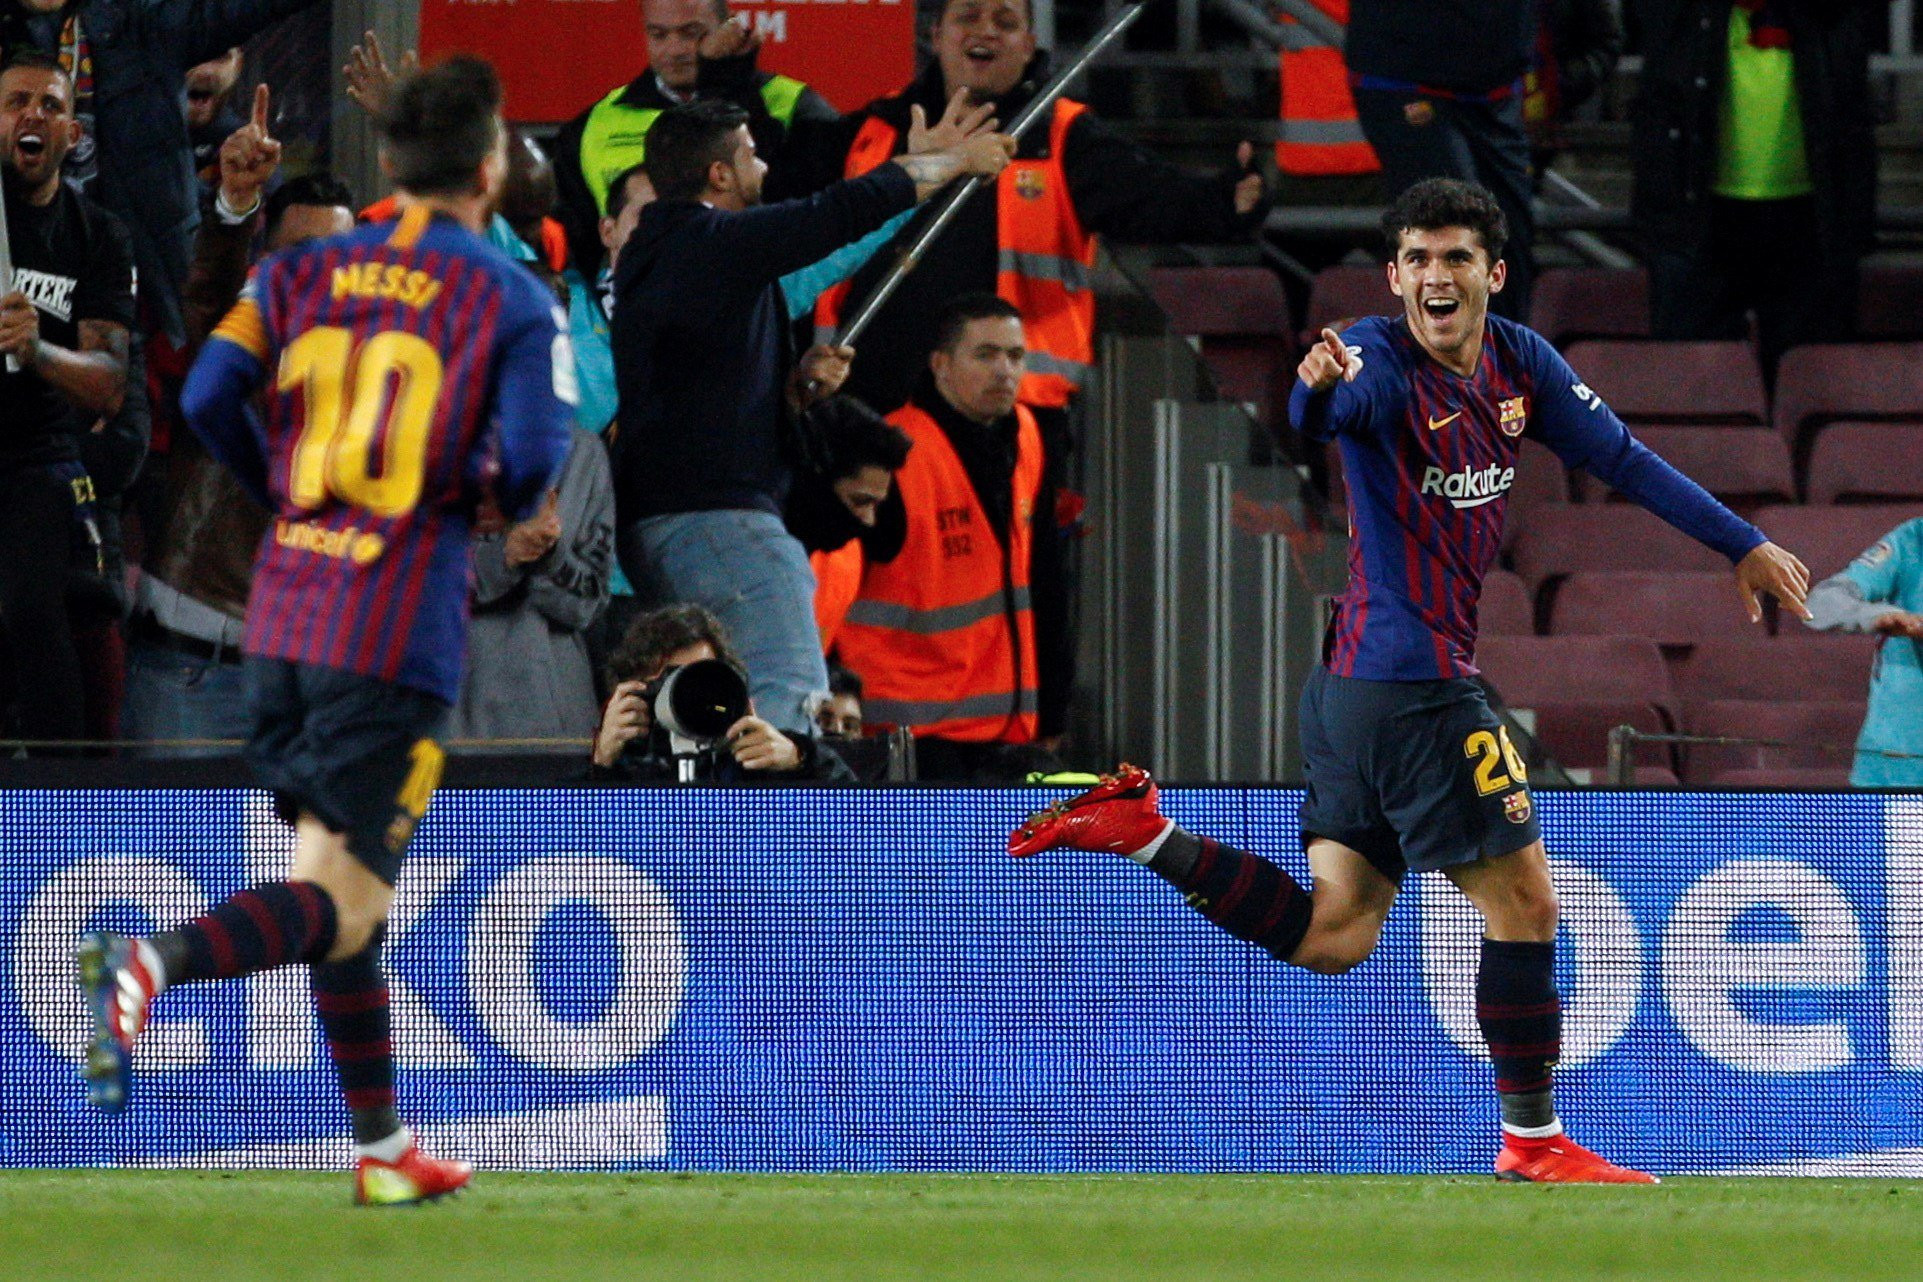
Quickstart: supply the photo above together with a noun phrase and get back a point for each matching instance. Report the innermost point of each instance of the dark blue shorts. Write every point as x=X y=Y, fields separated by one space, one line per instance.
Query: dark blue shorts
x=1415 y=775
x=361 y=755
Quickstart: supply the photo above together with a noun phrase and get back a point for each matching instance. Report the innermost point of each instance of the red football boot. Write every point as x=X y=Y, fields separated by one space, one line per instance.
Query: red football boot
x=415 y=1178
x=1118 y=814
x=1560 y=1160
x=119 y=990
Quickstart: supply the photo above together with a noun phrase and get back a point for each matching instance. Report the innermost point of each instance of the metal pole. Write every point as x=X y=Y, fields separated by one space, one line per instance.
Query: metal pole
x=1622 y=759
x=1042 y=103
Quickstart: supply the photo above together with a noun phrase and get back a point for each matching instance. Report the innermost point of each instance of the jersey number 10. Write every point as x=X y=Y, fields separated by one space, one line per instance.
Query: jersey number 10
x=344 y=386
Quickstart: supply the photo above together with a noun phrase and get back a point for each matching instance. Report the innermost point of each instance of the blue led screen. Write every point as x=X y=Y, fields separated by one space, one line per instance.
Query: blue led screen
x=767 y=980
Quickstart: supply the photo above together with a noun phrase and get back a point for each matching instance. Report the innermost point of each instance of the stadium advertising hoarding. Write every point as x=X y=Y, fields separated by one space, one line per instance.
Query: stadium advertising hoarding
x=763 y=980
x=556 y=57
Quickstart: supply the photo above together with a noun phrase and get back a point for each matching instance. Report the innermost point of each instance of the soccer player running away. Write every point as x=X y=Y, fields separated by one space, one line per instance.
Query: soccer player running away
x=1407 y=768
x=412 y=365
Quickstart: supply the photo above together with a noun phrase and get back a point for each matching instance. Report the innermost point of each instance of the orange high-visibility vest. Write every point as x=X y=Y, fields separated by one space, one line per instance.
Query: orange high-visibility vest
x=1045 y=266
x=943 y=636
x=1320 y=134
x=837 y=583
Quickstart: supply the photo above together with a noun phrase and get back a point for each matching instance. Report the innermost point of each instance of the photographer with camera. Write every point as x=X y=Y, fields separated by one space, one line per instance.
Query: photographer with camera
x=680 y=712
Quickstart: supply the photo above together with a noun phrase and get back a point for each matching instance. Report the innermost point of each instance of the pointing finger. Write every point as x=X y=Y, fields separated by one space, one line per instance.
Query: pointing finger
x=917 y=119
x=1749 y=601
x=261 y=97
x=1245 y=153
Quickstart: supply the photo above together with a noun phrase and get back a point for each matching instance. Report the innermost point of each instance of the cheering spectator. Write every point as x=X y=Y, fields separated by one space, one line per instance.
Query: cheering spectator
x=1882 y=592
x=64 y=334
x=695 y=52
x=708 y=387
x=1033 y=241
x=1755 y=143
x=626 y=749
x=140 y=53
x=538 y=588
x=943 y=632
x=184 y=671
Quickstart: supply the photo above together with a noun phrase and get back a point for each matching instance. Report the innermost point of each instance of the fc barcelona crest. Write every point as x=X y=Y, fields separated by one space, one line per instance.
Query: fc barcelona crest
x=1514 y=415
x=1516 y=807
x=1030 y=185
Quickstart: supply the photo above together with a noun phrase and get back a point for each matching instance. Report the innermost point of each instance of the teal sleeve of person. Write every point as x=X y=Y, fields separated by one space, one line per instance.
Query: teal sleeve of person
x=801 y=289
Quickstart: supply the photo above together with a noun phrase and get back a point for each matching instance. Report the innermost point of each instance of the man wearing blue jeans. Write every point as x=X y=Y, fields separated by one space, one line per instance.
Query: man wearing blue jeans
x=709 y=385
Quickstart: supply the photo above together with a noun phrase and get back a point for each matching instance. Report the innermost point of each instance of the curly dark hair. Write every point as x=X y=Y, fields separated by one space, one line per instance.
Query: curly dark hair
x=653 y=636
x=1435 y=203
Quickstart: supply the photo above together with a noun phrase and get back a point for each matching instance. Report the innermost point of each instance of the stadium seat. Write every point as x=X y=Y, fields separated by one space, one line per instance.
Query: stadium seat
x=1867 y=463
x=1576 y=303
x=1745 y=467
x=1580 y=688
x=1540 y=478
x=1795 y=666
x=1344 y=293
x=1838 y=382
x=1674 y=382
x=1241 y=317
x=1814 y=735
x=1670 y=609
x=1554 y=539
x=1829 y=538
x=1784 y=780
x=1889 y=300
x=1506 y=610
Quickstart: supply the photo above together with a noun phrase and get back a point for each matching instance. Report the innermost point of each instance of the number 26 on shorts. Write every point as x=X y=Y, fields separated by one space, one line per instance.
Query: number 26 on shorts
x=1492 y=751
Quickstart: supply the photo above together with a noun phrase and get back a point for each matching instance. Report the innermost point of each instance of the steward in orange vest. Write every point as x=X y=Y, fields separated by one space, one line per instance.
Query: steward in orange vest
x=1320 y=134
x=942 y=633
x=1033 y=241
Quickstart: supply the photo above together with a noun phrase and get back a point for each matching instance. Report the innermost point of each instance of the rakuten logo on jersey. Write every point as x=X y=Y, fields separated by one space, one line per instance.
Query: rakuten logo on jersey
x=1471 y=487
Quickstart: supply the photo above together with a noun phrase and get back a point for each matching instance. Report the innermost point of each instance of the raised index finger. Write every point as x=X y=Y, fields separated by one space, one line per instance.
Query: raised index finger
x=261 y=97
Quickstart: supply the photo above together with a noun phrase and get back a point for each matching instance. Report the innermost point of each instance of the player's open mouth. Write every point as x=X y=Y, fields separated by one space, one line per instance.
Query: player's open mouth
x=1441 y=308
x=32 y=146
x=981 y=53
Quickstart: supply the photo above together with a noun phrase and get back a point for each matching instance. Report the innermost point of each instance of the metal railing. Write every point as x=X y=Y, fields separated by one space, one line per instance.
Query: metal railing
x=1623 y=741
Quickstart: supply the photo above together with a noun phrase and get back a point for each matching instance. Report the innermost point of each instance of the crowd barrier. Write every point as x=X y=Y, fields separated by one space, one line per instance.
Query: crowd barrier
x=829 y=981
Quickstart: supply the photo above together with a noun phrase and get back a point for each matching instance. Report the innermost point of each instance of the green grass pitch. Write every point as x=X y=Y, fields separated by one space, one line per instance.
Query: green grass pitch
x=210 y=1227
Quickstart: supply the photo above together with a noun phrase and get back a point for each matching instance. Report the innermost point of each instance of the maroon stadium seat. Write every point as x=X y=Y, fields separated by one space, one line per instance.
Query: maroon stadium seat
x=1867 y=463
x=1533 y=670
x=1574 y=303
x=1576 y=735
x=1889 y=301
x=1674 y=382
x=1799 y=665
x=1561 y=538
x=1785 y=779
x=1241 y=316
x=1670 y=609
x=1829 y=538
x=1345 y=293
x=1818 y=735
x=1745 y=467
x=1655 y=777
x=1540 y=478
x=1507 y=609
x=1829 y=383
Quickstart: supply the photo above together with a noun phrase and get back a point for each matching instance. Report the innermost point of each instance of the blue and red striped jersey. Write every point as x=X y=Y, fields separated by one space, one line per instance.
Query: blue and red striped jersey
x=413 y=366
x=1428 y=457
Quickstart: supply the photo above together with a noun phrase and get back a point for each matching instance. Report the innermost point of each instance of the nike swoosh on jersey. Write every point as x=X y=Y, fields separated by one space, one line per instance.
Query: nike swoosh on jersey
x=1437 y=424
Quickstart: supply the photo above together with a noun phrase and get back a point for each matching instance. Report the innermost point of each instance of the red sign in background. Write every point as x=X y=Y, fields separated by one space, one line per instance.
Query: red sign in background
x=558 y=56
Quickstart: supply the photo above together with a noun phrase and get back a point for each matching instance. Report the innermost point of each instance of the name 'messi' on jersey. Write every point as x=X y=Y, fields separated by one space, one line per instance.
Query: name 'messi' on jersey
x=1470 y=486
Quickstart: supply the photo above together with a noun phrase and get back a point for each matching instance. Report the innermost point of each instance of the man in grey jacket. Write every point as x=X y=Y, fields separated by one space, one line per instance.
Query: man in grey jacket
x=538 y=587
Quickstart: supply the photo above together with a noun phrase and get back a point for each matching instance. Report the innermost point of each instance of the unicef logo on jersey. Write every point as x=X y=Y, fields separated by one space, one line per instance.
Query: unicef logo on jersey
x=1469 y=487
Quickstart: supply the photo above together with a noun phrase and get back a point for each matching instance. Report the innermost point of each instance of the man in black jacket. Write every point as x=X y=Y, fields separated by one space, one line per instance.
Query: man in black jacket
x=1438 y=90
x=709 y=385
x=1755 y=166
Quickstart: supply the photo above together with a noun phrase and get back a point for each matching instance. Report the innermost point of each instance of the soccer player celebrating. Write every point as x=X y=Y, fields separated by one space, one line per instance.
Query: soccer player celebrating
x=412 y=366
x=1407 y=767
